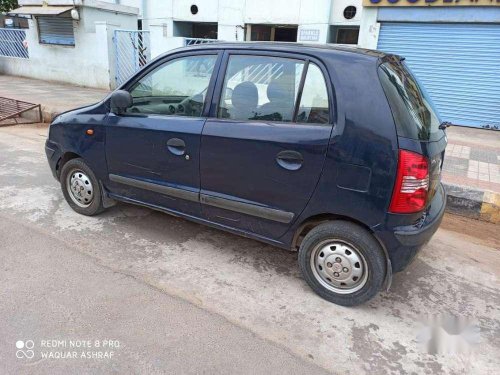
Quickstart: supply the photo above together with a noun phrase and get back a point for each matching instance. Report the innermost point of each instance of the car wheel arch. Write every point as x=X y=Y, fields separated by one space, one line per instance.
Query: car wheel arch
x=67 y=156
x=308 y=224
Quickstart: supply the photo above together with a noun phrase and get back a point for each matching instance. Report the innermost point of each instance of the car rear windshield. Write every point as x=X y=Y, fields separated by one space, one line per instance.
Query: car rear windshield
x=411 y=106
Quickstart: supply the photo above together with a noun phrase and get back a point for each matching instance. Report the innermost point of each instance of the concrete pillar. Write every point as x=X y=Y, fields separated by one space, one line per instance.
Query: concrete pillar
x=231 y=32
x=106 y=51
x=162 y=39
x=369 y=29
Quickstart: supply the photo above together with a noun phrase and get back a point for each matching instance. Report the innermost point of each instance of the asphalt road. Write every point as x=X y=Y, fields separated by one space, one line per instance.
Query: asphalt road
x=171 y=296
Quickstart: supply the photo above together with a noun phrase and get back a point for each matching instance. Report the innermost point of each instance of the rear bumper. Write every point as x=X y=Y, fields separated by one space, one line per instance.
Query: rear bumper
x=403 y=242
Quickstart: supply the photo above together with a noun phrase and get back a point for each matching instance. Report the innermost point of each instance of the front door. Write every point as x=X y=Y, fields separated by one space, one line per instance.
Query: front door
x=264 y=146
x=152 y=150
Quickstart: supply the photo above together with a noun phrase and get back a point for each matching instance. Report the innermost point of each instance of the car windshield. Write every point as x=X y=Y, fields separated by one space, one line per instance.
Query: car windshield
x=413 y=111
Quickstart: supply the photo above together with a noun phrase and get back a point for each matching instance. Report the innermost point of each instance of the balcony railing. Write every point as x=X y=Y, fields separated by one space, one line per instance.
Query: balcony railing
x=195 y=41
x=12 y=43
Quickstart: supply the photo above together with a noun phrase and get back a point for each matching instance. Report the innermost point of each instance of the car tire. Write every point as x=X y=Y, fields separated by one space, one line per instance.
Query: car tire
x=81 y=188
x=342 y=262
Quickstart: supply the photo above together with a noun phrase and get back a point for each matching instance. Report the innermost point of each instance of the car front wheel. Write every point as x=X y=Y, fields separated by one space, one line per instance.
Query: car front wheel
x=342 y=262
x=81 y=188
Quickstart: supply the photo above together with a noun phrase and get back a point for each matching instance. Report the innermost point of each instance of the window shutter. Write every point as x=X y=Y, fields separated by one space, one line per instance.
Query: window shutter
x=56 y=30
x=457 y=63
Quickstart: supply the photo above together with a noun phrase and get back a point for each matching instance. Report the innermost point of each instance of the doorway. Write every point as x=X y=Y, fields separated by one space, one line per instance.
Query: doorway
x=273 y=33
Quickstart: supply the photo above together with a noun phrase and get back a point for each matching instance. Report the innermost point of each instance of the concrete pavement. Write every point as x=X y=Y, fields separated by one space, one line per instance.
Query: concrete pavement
x=54 y=97
x=255 y=287
x=52 y=291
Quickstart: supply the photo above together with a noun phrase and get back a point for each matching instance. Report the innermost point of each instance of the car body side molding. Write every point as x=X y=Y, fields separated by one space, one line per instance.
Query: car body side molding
x=227 y=204
x=162 y=189
x=248 y=209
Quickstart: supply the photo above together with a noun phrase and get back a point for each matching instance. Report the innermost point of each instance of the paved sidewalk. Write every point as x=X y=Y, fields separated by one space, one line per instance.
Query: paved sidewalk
x=473 y=158
x=54 y=97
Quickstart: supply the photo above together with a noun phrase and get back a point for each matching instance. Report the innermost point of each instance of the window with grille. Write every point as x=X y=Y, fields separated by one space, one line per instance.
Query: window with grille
x=56 y=30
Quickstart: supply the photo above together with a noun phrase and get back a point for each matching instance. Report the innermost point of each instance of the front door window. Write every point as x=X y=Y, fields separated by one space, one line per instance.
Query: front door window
x=178 y=87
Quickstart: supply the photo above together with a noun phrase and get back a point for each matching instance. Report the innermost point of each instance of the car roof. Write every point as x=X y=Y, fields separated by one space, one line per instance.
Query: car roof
x=313 y=49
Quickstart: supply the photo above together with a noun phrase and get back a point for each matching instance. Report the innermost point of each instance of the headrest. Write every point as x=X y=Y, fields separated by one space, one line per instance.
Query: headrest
x=245 y=95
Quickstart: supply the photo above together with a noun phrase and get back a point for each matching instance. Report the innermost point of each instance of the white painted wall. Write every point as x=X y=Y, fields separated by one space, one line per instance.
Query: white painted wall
x=161 y=43
x=139 y=4
x=314 y=15
x=370 y=28
x=337 y=12
x=232 y=15
x=127 y=6
x=89 y=63
x=231 y=19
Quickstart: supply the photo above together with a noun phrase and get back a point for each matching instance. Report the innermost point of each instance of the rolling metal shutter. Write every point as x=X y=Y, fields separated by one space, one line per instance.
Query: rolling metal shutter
x=56 y=30
x=458 y=64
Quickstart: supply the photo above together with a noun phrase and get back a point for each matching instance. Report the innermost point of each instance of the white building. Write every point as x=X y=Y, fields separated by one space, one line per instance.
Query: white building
x=67 y=40
x=312 y=21
x=101 y=43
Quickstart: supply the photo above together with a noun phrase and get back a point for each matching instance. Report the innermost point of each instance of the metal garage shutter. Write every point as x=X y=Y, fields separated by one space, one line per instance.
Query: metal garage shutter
x=56 y=30
x=459 y=65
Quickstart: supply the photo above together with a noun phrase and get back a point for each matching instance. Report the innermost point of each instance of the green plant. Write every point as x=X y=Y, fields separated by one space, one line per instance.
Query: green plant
x=8 y=5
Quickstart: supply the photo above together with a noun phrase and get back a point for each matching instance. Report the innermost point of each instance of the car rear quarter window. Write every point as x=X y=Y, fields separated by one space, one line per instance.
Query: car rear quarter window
x=411 y=106
x=314 y=108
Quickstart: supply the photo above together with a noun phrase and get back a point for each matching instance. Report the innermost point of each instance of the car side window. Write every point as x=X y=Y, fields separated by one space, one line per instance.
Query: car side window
x=178 y=87
x=313 y=107
x=260 y=88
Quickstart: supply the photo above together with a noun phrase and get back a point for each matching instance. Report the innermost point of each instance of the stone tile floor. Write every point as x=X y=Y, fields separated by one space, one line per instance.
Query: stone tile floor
x=472 y=161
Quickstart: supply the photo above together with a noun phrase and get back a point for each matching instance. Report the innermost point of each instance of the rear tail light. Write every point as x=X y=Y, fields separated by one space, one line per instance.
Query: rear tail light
x=412 y=183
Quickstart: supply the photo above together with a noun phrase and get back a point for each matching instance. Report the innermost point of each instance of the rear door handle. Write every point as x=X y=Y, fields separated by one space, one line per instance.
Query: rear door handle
x=289 y=159
x=176 y=146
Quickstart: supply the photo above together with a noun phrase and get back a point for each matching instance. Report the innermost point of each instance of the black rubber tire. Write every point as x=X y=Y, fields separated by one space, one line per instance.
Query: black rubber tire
x=364 y=243
x=96 y=206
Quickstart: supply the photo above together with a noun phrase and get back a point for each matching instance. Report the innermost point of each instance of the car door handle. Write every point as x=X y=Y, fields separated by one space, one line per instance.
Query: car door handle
x=176 y=146
x=291 y=160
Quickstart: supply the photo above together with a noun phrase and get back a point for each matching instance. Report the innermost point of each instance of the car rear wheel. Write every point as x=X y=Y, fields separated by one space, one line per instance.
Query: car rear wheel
x=81 y=188
x=342 y=262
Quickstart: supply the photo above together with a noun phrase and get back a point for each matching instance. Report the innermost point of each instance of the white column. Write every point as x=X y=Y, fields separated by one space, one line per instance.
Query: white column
x=162 y=39
x=106 y=50
x=369 y=29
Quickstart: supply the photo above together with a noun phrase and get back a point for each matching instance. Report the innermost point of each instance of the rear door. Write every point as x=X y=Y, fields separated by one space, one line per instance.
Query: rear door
x=152 y=150
x=264 y=145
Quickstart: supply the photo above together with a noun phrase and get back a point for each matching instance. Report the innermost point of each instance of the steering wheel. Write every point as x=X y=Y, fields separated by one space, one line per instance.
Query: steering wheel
x=191 y=105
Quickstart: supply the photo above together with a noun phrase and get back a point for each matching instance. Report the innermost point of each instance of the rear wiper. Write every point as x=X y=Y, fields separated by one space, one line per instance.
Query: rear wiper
x=444 y=125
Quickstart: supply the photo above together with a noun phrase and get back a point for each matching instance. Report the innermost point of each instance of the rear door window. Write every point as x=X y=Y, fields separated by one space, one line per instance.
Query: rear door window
x=411 y=106
x=266 y=88
x=260 y=88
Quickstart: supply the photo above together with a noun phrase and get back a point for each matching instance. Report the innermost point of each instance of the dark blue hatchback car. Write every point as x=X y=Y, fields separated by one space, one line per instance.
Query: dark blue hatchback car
x=332 y=152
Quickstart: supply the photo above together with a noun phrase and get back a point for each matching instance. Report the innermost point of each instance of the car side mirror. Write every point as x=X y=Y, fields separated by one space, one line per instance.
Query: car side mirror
x=120 y=101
